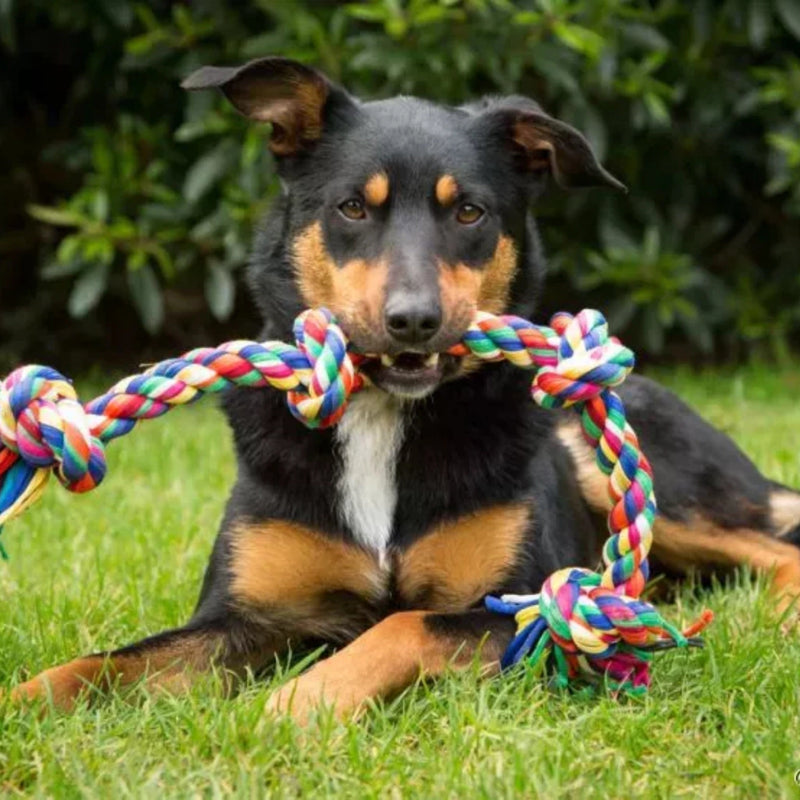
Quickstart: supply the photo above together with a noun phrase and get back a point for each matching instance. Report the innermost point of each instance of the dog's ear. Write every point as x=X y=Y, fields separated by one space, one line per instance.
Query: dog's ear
x=543 y=144
x=290 y=95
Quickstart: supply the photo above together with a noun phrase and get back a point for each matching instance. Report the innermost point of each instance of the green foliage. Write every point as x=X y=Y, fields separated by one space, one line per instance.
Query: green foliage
x=696 y=106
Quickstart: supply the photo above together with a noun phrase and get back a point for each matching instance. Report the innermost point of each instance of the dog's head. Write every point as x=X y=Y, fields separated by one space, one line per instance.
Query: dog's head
x=402 y=216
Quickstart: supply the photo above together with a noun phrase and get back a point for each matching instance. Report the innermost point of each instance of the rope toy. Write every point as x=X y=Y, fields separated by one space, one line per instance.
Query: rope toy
x=585 y=623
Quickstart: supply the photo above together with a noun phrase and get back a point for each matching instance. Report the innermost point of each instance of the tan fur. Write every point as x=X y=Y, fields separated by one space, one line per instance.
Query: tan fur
x=293 y=107
x=169 y=667
x=380 y=663
x=376 y=189
x=690 y=545
x=453 y=566
x=591 y=481
x=459 y=287
x=465 y=290
x=292 y=568
x=355 y=292
x=497 y=277
x=541 y=153
x=784 y=511
x=446 y=190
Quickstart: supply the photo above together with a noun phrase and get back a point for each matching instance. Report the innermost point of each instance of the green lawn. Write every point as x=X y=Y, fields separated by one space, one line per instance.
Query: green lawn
x=104 y=569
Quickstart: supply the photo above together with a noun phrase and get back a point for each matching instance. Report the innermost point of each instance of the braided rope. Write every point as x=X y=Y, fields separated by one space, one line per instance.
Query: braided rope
x=590 y=623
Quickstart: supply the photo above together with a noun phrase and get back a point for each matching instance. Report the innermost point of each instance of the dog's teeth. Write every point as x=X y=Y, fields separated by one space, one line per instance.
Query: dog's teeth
x=432 y=360
x=387 y=361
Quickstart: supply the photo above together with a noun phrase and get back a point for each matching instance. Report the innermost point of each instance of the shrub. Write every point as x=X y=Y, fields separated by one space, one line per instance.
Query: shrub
x=125 y=194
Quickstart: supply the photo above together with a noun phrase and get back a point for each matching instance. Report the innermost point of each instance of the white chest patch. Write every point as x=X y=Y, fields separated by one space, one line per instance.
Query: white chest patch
x=368 y=437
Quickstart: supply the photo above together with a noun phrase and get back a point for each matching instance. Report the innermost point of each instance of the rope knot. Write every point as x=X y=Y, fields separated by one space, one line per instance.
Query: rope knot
x=585 y=617
x=589 y=628
x=589 y=361
x=332 y=376
x=43 y=424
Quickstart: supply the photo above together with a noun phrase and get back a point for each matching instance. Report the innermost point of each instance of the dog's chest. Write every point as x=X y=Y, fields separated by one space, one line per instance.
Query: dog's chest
x=368 y=439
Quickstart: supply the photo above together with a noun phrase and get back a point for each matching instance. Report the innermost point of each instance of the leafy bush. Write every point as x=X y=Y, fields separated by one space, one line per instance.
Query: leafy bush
x=125 y=193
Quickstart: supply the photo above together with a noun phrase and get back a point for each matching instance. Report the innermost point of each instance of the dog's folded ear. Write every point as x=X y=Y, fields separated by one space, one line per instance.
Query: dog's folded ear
x=543 y=144
x=546 y=144
x=286 y=93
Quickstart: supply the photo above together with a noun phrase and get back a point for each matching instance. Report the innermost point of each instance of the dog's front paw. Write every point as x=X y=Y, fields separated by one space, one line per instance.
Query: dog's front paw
x=59 y=687
x=31 y=693
x=299 y=699
x=317 y=689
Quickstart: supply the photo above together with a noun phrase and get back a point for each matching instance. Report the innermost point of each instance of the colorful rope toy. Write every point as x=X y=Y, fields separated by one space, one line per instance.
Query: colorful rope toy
x=591 y=624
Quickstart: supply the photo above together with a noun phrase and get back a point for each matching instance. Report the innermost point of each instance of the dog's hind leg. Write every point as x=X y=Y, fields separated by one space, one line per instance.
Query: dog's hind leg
x=717 y=511
x=699 y=545
x=393 y=654
x=772 y=548
x=784 y=505
x=171 y=661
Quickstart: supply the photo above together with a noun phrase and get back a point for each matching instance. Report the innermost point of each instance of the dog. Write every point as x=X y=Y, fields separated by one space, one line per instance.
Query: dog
x=443 y=482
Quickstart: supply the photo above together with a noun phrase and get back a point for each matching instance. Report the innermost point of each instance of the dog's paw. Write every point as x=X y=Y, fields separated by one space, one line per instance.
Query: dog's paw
x=32 y=691
x=31 y=694
x=299 y=699
x=55 y=688
x=316 y=690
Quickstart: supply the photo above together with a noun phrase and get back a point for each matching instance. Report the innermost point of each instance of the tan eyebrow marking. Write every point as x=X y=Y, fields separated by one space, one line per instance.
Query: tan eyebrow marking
x=376 y=189
x=446 y=190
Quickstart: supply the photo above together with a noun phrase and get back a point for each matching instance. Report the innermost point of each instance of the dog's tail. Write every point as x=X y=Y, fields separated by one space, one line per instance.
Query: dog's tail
x=784 y=506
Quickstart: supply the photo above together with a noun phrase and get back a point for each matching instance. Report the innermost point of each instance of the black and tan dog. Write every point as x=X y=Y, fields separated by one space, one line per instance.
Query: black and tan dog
x=443 y=482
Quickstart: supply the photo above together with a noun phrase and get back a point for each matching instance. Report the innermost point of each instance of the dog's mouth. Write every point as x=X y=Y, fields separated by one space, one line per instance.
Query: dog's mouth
x=411 y=374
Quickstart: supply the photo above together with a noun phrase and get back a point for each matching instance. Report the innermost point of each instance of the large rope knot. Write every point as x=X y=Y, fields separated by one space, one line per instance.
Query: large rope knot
x=584 y=617
x=613 y=629
x=332 y=377
x=589 y=361
x=43 y=429
x=43 y=423
x=590 y=629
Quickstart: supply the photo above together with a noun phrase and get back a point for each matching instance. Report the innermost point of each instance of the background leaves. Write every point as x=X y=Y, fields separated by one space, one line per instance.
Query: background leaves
x=127 y=206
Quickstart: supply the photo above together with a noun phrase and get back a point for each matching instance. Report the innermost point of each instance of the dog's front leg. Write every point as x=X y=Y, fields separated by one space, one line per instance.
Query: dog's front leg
x=391 y=656
x=169 y=661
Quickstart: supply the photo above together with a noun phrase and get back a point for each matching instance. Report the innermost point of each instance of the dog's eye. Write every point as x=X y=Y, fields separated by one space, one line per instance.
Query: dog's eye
x=468 y=213
x=353 y=208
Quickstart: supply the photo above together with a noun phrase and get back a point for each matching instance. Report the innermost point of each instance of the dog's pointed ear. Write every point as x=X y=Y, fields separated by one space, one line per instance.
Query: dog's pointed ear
x=543 y=144
x=286 y=93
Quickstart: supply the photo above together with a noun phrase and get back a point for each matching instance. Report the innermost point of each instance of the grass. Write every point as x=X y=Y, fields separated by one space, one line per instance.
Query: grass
x=106 y=568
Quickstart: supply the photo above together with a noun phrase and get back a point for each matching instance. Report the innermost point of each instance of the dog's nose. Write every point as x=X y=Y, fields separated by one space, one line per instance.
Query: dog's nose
x=412 y=320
